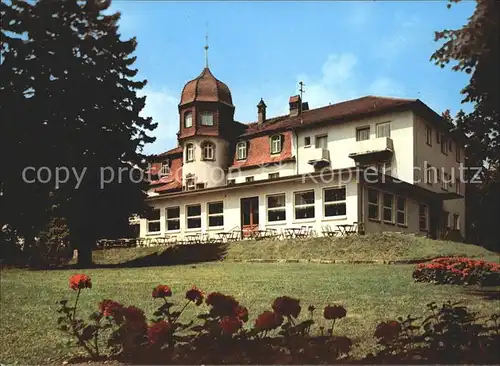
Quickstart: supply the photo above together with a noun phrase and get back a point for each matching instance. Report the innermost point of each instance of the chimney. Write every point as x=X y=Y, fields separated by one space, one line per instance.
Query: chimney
x=261 y=111
x=295 y=105
x=305 y=106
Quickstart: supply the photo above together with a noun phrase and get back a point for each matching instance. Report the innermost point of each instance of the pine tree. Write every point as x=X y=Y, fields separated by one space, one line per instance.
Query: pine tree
x=69 y=99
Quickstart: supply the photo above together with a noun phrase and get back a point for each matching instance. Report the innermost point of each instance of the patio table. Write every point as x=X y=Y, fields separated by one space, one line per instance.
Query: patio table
x=346 y=229
x=223 y=237
x=292 y=232
x=193 y=239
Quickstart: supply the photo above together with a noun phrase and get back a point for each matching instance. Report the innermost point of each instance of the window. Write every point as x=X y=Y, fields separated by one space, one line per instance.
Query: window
x=165 y=168
x=276 y=143
x=443 y=146
x=422 y=217
x=231 y=182
x=304 y=205
x=274 y=175
x=429 y=176
x=401 y=211
x=188 y=120
x=334 y=202
x=321 y=142
x=444 y=183
x=193 y=216
x=428 y=135
x=384 y=129
x=450 y=145
x=457 y=153
x=154 y=222
x=457 y=186
x=249 y=179
x=363 y=133
x=189 y=152
x=307 y=141
x=276 y=209
x=373 y=204
x=190 y=184
x=446 y=219
x=215 y=214
x=207 y=118
x=388 y=208
x=208 y=151
x=173 y=218
x=438 y=137
x=456 y=222
x=200 y=185
x=241 y=150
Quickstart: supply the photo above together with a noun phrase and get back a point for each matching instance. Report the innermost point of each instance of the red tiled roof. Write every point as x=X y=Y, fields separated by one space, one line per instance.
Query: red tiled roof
x=174 y=151
x=335 y=112
x=259 y=152
x=174 y=178
x=206 y=88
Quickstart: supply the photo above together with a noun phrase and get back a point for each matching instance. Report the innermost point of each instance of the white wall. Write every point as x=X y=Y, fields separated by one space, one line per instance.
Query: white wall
x=342 y=142
x=232 y=214
x=212 y=173
x=260 y=173
x=434 y=156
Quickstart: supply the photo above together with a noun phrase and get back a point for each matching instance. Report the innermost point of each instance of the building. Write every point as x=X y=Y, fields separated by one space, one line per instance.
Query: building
x=391 y=164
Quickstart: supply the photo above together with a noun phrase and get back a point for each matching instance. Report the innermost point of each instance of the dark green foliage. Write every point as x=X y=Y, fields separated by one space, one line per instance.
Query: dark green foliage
x=69 y=99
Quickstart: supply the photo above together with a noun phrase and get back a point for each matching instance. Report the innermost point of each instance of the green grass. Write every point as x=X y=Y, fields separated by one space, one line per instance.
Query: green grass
x=371 y=293
x=379 y=247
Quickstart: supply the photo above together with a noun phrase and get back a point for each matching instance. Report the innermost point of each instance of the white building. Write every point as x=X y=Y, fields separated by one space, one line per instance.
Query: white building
x=311 y=167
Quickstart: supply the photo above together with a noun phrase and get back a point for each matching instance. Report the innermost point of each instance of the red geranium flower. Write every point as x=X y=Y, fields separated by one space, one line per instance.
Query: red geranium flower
x=134 y=317
x=161 y=291
x=195 y=295
x=230 y=325
x=387 y=331
x=79 y=281
x=111 y=308
x=268 y=320
x=222 y=305
x=159 y=332
x=286 y=306
x=241 y=313
x=334 y=312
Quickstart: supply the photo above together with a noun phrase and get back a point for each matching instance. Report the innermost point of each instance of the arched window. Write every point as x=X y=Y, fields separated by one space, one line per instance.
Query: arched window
x=207 y=118
x=188 y=120
x=241 y=150
x=189 y=152
x=165 y=168
x=208 y=151
x=276 y=144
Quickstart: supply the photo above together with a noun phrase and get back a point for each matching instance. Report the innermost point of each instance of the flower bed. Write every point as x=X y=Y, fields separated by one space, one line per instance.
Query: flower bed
x=220 y=336
x=458 y=271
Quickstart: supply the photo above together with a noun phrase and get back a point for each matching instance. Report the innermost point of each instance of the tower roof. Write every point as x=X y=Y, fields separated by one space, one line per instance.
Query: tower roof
x=206 y=88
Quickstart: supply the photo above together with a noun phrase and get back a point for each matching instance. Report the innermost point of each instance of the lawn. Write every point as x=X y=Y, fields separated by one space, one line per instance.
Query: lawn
x=373 y=247
x=369 y=292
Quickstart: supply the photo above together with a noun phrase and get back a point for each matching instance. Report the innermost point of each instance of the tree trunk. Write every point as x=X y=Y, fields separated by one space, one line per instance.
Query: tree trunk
x=84 y=255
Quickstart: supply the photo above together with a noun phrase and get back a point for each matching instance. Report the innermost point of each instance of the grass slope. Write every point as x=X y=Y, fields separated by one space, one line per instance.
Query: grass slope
x=370 y=293
x=383 y=246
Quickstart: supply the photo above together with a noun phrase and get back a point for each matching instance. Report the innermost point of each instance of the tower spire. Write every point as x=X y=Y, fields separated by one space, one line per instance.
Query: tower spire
x=206 y=44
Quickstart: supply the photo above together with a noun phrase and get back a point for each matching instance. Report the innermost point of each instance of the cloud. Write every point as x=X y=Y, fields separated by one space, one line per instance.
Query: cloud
x=405 y=31
x=162 y=106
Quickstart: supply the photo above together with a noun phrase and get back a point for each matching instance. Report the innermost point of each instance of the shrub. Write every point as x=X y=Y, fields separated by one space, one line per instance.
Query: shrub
x=459 y=271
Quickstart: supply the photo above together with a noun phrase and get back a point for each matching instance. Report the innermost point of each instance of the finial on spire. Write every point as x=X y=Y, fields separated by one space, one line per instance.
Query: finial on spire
x=206 y=44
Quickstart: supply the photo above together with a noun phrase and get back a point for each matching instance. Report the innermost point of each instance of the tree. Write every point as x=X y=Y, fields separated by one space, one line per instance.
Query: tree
x=475 y=50
x=69 y=99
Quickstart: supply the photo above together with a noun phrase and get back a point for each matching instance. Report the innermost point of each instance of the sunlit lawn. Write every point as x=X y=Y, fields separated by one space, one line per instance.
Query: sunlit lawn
x=370 y=293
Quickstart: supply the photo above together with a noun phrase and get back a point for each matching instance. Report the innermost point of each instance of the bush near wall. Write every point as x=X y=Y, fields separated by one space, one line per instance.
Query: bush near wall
x=458 y=271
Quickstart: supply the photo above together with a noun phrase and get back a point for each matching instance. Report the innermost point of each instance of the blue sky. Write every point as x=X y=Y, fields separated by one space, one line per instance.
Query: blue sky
x=341 y=50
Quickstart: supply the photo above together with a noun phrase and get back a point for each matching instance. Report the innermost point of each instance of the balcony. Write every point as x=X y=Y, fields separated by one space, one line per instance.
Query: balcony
x=318 y=157
x=373 y=150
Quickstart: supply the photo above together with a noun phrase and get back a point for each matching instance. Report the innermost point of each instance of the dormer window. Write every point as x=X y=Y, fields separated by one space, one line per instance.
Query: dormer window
x=241 y=150
x=207 y=118
x=188 y=120
x=276 y=144
x=189 y=152
x=165 y=168
x=208 y=151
